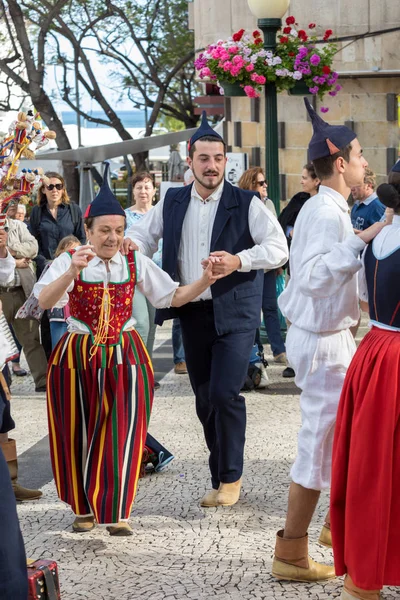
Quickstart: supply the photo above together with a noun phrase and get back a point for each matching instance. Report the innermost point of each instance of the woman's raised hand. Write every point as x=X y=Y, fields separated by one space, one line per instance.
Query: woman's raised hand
x=82 y=257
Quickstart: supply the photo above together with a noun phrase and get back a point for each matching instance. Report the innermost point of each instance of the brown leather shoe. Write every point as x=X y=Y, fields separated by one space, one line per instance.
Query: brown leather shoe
x=21 y=493
x=229 y=493
x=325 y=537
x=292 y=563
x=180 y=368
x=121 y=529
x=210 y=499
x=83 y=524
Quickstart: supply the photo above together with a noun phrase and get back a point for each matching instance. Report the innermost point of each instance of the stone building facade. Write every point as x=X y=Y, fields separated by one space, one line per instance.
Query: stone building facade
x=369 y=69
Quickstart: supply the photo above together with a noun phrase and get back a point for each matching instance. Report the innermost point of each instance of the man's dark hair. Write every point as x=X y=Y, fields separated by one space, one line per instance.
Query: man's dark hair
x=206 y=138
x=324 y=166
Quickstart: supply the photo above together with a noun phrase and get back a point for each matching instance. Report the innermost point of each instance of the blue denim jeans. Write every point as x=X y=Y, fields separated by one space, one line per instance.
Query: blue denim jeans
x=57 y=330
x=270 y=314
x=177 y=344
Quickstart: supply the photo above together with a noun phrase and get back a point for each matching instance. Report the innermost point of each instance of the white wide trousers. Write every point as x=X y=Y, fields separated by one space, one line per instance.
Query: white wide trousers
x=320 y=361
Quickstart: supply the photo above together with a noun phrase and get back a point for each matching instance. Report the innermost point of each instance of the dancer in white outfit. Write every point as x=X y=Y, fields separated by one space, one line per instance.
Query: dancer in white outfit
x=321 y=303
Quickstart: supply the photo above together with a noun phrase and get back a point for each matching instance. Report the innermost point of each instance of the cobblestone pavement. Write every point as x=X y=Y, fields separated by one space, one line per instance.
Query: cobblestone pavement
x=178 y=550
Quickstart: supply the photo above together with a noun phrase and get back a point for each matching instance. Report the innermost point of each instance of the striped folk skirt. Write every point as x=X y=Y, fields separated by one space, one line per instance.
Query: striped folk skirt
x=98 y=413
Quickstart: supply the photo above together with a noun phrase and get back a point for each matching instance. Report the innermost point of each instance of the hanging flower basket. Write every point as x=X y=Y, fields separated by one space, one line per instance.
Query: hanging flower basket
x=232 y=89
x=299 y=59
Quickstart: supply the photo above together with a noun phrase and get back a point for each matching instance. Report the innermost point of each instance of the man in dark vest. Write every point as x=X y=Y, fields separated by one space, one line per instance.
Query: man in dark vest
x=232 y=226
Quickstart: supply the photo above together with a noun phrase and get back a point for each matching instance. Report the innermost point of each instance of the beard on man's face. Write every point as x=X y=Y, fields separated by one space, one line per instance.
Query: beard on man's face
x=208 y=185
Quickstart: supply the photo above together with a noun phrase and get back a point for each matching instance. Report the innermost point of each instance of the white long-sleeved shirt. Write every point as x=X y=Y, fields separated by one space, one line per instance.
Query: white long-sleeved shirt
x=386 y=242
x=322 y=292
x=269 y=252
x=152 y=281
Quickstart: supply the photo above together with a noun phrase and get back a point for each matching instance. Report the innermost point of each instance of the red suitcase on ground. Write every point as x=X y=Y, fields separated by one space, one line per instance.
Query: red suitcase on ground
x=43 y=581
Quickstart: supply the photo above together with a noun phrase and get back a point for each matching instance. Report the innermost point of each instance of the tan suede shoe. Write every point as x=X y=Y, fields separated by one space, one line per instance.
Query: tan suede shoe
x=314 y=572
x=347 y=596
x=83 y=524
x=325 y=537
x=292 y=562
x=352 y=592
x=210 y=499
x=229 y=493
x=121 y=529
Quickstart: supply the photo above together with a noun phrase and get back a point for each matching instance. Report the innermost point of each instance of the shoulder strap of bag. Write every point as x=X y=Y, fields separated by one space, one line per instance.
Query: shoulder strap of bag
x=50 y=585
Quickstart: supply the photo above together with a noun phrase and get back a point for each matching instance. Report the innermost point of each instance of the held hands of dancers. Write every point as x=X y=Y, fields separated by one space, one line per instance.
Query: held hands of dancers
x=81 y=258
x=223 y=263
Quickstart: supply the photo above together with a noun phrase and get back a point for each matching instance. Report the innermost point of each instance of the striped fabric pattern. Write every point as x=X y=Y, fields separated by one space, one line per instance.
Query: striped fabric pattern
x=98 y=413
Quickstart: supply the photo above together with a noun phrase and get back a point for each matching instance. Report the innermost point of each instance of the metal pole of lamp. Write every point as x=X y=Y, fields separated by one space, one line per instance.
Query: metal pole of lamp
x=269 y=14
x=269 y=27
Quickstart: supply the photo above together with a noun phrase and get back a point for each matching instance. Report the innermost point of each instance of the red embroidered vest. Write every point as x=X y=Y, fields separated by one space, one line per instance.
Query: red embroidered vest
x=105 y=310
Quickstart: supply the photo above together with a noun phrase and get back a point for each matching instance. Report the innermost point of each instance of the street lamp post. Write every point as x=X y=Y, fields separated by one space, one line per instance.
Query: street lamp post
x=269 y=14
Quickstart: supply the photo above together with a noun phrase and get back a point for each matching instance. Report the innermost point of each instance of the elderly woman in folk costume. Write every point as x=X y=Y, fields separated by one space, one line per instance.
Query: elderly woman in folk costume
x=100 y=378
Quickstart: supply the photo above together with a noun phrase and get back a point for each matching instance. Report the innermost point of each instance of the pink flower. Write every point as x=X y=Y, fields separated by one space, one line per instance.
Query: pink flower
x=314 y=90
x=324 y=109
x=238 y=60
x=250 y=91
x=250 y=67
x=233 y=49
x=235 y=71
x=205 y=72
x=315 y=59
x=261 y=79
x=332 y=93
x=227 y=65
x=338 y=88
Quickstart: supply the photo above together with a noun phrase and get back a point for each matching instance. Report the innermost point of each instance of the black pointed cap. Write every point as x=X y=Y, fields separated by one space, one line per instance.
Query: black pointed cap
x=204 y=130
x=105 y=203
x=327 y=139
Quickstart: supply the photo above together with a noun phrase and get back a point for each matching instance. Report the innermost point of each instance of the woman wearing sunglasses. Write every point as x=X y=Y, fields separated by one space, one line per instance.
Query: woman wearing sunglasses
x=54 y=218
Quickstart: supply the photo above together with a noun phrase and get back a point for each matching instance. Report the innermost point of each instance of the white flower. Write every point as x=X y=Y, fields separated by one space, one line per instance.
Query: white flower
x=253 y=58
x=297 y=75
x=293 y=33
x=269 y=54
x=262 y=53
x=276 y=61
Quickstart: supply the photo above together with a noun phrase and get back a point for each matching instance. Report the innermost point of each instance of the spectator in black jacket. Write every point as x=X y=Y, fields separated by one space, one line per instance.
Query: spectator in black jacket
x=54 y=217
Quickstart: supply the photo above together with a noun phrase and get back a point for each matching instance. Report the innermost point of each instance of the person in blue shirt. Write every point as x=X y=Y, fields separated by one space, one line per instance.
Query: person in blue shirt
x=367 y=208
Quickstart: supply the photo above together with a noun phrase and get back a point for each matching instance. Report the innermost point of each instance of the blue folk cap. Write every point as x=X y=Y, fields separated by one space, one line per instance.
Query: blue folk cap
x=327 y=139
x=204 y=130
x=396 y=167
x=105 y=203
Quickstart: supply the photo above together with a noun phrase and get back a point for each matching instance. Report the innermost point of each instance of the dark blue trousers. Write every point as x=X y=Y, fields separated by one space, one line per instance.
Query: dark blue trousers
x=217 y=367
x=270 y=314
x=13 y=573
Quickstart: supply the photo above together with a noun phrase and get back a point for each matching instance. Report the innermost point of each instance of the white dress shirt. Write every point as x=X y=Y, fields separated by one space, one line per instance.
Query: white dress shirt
x=152 y=281
x=322 y=292
x=386 y=242
x=269 y=252
x=7 y=267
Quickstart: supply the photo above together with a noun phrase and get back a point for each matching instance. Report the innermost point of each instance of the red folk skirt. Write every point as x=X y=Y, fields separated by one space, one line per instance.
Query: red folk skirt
x=365 y=492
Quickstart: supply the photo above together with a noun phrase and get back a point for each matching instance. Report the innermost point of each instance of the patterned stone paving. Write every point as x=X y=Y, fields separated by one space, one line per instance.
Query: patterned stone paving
x=179 y=550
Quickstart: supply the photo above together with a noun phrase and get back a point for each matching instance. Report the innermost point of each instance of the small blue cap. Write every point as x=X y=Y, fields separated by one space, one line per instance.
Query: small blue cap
x=105 y=203
x=204 y=130
x=327 y=139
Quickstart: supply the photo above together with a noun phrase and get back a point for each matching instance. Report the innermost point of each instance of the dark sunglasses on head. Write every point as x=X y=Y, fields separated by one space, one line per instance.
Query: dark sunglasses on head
x=262 y=182
x=58 y=186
